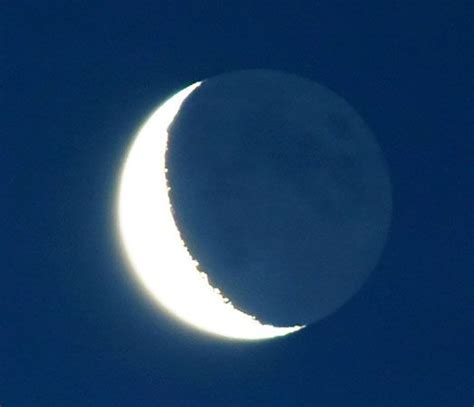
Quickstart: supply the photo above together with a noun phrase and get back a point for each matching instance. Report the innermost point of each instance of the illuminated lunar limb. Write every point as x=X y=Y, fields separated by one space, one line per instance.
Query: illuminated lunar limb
x=155 y=248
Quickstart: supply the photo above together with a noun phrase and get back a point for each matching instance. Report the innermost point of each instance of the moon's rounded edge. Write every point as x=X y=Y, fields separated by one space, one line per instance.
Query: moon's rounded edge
x=154 y=247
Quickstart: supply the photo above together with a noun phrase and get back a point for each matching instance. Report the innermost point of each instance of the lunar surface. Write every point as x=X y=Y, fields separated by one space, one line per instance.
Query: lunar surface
x=280 y=191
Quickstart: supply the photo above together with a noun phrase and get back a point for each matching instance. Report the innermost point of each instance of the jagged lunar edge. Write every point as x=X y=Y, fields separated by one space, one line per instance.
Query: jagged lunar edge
x=155 y=248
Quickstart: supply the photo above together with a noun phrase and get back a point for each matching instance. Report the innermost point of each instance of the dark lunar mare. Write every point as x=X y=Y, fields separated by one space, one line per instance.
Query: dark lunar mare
x=280 y=192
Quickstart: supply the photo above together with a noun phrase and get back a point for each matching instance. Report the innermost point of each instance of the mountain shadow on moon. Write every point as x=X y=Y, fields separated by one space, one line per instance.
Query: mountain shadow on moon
x=281 y=193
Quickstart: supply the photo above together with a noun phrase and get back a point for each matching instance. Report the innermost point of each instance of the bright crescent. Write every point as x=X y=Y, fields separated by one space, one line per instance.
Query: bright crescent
x=155 y=248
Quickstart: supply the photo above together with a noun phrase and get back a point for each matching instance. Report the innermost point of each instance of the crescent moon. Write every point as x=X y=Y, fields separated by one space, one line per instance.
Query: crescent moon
x=155 y=248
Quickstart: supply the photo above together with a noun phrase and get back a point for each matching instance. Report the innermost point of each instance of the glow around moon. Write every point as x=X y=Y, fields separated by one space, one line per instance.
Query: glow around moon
x=155 y=248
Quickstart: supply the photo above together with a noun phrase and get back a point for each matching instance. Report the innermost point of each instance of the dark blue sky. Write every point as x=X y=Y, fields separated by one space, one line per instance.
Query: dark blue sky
x=76 y=82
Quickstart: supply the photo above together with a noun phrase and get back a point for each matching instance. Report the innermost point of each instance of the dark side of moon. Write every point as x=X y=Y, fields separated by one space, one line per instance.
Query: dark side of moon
x=281 y=193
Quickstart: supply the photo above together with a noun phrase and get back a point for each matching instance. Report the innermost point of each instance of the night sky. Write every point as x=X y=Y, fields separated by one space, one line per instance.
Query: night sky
x=77 y=81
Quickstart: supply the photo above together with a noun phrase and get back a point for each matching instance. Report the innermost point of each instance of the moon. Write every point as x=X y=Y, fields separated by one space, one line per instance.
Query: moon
x=155 y=248
x=274 y=183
